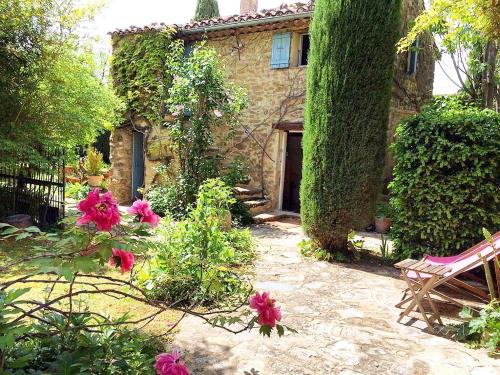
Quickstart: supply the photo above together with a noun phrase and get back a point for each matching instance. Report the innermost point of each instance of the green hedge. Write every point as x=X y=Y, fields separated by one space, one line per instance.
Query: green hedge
x=446 y=180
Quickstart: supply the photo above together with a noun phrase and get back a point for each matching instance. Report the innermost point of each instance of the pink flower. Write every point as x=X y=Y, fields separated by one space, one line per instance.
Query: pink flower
x=141 y=209
x=123 y=259
x=99 y=209
x=170 y=364
x=268 y=313
x=217 y=113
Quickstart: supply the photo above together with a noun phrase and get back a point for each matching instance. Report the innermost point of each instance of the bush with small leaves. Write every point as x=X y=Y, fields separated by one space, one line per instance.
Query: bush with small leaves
x=446 y=183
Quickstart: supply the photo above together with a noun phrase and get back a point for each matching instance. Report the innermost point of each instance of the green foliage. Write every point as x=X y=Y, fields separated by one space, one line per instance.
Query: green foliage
x=94 y=164
x=193 y=89
x=140 y=69
x=199 y=259
x=464 y=28
x=206 y=9
x=348 y=93
x=77 y=191
x=383 y=210
x=312 y=249
x=482 y=330
x=446 y=180
x=164 y=200
x=309 y=248
x=55 y=347
x=384 y=249
x=51 y=89
x=203 y=104
x=10 y=329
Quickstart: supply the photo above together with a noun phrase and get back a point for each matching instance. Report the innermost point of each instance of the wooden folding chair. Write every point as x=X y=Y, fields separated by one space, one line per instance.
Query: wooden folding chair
x=423 y=277
x=420 y=290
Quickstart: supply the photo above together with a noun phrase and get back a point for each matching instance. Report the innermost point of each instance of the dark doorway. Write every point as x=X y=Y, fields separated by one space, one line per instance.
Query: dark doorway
x=293 y=173
x=137 y=164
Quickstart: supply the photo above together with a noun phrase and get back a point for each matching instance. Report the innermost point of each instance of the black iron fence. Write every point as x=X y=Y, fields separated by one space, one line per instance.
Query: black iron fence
x=34 y=188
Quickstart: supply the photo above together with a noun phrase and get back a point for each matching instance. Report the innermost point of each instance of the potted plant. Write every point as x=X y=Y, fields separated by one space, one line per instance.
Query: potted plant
x=94 y=166
x=382 y=218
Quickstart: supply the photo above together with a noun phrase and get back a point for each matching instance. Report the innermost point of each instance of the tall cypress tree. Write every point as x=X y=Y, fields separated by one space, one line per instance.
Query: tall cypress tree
x=206 y=9
x=347 y=111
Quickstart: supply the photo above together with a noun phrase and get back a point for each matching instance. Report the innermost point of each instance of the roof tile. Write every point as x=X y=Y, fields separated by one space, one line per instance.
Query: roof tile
x=282 y=10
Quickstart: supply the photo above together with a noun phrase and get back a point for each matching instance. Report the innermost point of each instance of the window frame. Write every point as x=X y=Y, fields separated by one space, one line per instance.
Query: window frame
x=301 y=44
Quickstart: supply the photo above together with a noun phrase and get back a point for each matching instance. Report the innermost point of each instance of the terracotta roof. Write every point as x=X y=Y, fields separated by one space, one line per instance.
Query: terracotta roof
x=237 y=20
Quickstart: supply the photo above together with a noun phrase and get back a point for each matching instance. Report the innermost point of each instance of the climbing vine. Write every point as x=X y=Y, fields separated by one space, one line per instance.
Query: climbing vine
x=185 y=91
x=141 y=72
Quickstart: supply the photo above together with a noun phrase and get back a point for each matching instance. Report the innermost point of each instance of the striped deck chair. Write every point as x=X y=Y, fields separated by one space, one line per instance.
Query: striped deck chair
x=423 y=277
x=455 y=284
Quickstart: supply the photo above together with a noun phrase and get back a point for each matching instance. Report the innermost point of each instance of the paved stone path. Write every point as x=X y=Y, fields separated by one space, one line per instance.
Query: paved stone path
x=345 y=318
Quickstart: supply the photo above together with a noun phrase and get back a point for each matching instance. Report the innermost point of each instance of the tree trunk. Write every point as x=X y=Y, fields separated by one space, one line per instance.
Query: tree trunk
x=488 y=82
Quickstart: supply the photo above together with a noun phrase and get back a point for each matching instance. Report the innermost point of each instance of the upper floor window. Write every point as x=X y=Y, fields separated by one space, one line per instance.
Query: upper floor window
x=281 y=50
x=413 y=57
x=304 y=49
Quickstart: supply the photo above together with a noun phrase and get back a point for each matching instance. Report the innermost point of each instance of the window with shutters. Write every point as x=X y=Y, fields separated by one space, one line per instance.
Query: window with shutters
x=281 y=50
x=413 y=58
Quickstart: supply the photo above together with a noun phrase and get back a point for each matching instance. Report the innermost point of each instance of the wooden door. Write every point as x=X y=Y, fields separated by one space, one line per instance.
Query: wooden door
x=137 y=164
x=293 y=173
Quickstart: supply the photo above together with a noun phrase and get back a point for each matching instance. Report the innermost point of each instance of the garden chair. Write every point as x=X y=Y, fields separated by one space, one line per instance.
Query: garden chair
x=454 y=284
x=423 y=277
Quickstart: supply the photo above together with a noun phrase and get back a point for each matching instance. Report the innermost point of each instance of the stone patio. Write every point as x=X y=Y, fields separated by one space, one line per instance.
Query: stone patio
x=345 y=316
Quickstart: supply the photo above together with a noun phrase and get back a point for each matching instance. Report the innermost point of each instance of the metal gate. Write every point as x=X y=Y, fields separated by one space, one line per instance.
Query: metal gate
x=34 y=188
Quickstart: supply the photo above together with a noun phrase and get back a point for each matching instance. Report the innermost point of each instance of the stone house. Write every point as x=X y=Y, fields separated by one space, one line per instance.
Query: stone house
x=266 y=53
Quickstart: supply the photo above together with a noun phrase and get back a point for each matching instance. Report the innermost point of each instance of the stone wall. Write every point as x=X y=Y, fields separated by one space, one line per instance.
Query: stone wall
x=275 y=95
x=278 y=96
x=121 y=163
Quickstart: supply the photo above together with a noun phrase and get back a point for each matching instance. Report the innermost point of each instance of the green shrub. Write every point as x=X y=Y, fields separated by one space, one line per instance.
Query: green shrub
x=349 y=82
x=482 y=330
x=166 y=201
x=199 y=259
x=446 y=183
x=77 y=190
x=53 y=347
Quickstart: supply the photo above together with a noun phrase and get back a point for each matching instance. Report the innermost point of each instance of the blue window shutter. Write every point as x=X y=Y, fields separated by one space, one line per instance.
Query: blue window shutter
x=281 y=50
x=412 y=63
x=188 y=48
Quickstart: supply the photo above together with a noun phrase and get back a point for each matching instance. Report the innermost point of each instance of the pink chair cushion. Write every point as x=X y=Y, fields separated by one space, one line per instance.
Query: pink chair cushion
x=466 y=263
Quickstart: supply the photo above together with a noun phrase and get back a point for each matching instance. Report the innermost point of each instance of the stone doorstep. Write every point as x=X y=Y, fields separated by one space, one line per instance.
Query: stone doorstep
x=256 y=202
x=241 y=191
x=274 y=216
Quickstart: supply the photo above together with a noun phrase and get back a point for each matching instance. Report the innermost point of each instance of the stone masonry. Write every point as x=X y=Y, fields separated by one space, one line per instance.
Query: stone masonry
x=278 y=96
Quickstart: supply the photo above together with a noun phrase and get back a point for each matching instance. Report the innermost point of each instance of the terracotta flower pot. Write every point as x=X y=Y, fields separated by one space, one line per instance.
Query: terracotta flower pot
x=95 y=181
x=382 y=224
x=69 y=170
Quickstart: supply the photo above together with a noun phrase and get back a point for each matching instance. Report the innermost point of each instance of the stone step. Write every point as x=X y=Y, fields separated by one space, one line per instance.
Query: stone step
x=242 y=191
x=249 y=198
x=273 y=216
x=256 y=202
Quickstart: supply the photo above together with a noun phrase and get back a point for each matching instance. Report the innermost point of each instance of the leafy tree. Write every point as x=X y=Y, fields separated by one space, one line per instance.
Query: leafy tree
x=51 y=92
x=466 y=28
x=206 y=9
x=348 y=93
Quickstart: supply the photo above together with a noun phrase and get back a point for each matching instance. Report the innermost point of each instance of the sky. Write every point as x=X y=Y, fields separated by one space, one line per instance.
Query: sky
x=124 y=13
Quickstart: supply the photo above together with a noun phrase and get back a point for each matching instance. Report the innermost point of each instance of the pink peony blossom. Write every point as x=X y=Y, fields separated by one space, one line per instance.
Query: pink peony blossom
x=123 y=259
x=268 y=313
x=170 y=364
x=141 y=209
x=100 y=209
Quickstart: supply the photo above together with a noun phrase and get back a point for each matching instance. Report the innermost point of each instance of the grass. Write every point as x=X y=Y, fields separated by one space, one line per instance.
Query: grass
x=15 y=251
